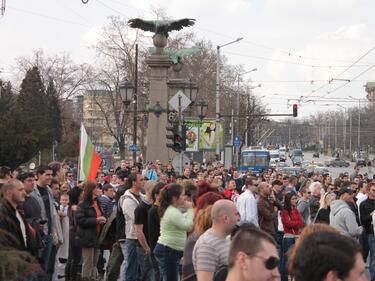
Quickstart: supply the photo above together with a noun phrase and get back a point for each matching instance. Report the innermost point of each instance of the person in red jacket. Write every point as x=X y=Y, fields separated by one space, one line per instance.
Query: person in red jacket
x=230 y=192
x=293 y=223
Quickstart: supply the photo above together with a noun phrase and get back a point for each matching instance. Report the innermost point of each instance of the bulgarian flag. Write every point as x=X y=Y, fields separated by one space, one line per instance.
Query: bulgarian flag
x=89 y=158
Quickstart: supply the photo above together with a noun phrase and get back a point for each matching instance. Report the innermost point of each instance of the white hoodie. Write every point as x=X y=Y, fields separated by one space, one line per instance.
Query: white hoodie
x=129 y=203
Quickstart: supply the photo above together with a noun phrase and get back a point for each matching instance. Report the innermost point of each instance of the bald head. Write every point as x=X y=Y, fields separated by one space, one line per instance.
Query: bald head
x=221 y=208
x=224 y=216
x=264 y=188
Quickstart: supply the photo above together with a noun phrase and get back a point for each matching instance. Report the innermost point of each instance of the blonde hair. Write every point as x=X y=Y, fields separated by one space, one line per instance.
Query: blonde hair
x=203 y=220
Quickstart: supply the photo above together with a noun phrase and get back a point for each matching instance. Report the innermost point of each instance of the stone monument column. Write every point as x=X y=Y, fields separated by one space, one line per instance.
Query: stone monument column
x=159 y=64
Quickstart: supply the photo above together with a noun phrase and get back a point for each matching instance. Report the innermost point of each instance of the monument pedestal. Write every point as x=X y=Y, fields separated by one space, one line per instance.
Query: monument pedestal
x=156 y=130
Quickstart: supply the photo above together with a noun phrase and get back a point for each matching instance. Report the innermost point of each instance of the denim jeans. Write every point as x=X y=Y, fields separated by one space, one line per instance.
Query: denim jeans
x=145 y=265
x=130 y=256
x=48 y=262
x=168 y=260
x=371 y=244
x=287 y=243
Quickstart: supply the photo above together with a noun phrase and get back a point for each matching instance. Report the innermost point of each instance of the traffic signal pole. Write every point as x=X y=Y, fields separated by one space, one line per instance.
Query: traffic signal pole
x=180 y=125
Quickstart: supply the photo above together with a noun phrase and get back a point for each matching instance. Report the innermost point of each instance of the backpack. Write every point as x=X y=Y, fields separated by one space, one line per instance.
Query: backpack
x=221 y=273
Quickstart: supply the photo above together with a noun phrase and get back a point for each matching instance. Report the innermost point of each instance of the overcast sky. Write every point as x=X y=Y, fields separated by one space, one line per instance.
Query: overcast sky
x=296 y=45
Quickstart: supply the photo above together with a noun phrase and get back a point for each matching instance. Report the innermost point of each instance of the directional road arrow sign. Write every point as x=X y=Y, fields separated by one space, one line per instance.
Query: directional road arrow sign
x=175 y=100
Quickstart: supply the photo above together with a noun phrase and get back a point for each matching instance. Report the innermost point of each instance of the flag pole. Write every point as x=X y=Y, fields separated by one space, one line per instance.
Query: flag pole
x=79 y=156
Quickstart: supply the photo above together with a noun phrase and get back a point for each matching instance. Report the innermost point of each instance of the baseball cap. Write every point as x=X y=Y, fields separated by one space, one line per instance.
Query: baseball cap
x=344 y=189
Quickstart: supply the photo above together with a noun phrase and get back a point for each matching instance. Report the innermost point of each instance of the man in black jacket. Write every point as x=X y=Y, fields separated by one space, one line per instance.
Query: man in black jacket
x=367 y=210
x=11 y=220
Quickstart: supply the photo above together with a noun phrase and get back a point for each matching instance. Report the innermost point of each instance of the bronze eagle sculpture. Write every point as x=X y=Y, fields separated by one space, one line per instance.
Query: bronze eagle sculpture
x=177 y=55
x=160 y=26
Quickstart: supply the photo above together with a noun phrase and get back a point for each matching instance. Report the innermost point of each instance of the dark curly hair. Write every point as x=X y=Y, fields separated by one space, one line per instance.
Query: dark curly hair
x=170 y=191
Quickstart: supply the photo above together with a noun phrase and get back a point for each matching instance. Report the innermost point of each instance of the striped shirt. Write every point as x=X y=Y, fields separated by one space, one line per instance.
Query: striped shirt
x=210 y=252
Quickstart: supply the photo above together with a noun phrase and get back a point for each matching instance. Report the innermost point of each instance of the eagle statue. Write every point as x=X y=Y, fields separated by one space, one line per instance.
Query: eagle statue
x=160 y=26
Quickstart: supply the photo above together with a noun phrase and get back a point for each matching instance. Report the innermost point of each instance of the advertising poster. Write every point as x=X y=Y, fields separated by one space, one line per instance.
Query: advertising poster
x=192 y=135
x=201 y=135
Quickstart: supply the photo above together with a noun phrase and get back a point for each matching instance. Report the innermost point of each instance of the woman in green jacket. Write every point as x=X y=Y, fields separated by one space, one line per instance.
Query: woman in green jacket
x=174 y=225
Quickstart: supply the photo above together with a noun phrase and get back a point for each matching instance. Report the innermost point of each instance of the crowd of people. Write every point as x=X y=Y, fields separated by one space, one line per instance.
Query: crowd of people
x=207 y=223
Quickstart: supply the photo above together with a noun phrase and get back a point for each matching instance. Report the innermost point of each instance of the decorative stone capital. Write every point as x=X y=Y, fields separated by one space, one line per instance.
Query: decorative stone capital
x=155 y=61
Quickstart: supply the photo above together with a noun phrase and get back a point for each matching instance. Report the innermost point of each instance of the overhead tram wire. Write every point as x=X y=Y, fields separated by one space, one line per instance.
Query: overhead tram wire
x=344 y=71
x=113 y=10
x=47 y=16
x=351 y=80
x=292 y=62
x=72 y=11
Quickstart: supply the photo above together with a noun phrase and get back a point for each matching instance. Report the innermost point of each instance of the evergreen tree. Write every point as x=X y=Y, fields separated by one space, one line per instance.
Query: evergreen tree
x=54 y=111
x=15 y=148
x=32 y=110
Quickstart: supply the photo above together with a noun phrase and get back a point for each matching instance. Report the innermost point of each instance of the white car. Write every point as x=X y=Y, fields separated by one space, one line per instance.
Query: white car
x=282 y=153
x=274 y=155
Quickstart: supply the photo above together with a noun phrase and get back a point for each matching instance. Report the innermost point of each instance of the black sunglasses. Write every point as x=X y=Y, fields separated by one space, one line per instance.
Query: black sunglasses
x=270 y=263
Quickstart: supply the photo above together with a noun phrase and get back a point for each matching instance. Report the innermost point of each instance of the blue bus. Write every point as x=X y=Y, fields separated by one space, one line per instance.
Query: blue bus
x=255 y=159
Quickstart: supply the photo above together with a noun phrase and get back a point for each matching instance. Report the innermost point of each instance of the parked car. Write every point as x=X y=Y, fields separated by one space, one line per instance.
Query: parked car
x=293 y=171
x=337 y=162
x=361 y=162
x=321 y=170
x=281 y=165
x=316 y=155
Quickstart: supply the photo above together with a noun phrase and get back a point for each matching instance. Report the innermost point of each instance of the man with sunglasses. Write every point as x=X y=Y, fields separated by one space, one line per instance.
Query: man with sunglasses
x=367 y=210
x=342 y=216
x=70 y=179
x=252 y=256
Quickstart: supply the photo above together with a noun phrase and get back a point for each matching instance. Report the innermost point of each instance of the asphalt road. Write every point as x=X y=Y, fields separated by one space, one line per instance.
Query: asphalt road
x=335 y=171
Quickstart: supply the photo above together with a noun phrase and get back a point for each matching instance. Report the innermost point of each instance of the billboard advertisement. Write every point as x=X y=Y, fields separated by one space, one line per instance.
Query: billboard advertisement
x=201 y=135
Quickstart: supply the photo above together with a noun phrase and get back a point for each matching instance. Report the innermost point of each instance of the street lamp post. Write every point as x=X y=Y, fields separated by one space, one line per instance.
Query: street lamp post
x=359 y=126
x=344 y=129
x=218 y=61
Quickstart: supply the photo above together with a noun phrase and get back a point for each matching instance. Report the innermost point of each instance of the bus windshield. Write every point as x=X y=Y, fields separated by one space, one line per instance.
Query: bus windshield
x=254 y=159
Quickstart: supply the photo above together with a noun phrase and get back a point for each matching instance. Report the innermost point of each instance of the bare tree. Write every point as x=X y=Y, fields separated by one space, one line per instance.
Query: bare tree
x=116 y=62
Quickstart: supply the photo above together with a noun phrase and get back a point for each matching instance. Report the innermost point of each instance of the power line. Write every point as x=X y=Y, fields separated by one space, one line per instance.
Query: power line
x=344 y=71
x=73 y=11
x=297 y=81
x=292 y=62
x=47 y=16
x=343 y=85
x=110 y=8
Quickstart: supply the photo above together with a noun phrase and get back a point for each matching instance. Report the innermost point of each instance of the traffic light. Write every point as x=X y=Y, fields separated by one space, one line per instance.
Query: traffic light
x=174 y=134
x=295 y=110
x=177 y=135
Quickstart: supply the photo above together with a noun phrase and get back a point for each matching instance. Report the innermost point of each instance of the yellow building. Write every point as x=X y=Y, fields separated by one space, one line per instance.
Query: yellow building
x=98 y=116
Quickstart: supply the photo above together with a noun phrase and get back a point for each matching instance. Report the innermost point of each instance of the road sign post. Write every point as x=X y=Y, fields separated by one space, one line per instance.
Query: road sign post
x=236 y=144
x=180 y=102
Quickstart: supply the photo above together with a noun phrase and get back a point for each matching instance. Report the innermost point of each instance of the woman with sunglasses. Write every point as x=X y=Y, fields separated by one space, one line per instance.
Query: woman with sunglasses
x=293 y=223
x=174 y=226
